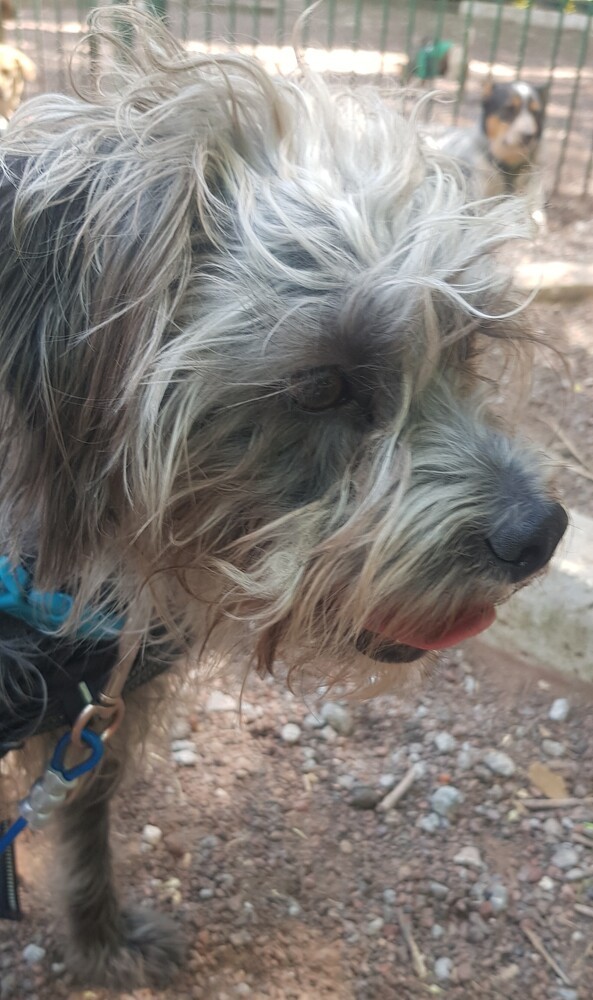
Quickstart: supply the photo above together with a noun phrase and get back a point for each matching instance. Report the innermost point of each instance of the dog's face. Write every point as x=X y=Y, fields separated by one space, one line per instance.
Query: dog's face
x=512 y=119
x=253 y=332
x=16 y=69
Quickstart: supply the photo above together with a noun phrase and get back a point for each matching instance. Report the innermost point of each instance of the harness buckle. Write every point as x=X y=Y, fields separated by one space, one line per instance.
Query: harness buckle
x=109 y=705
x=105 y=708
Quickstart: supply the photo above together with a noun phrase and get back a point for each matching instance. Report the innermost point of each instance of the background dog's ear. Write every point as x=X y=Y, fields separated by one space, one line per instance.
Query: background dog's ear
x=26 y=66
x=487 y=90
x=543 y=91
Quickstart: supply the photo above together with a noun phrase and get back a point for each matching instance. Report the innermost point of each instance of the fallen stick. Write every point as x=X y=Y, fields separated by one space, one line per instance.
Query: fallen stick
x=579 y=838
x=585 y=911
x=584 y=873
x=415 y=953
x=555 y=803
x=539 y=947
x=397 y=793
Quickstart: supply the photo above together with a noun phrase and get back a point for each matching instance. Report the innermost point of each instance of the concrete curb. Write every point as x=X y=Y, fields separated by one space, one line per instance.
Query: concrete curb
x=555 y=280
x=550 y=623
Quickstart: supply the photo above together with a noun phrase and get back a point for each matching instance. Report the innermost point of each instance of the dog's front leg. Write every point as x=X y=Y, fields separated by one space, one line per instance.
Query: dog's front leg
x=107 y=945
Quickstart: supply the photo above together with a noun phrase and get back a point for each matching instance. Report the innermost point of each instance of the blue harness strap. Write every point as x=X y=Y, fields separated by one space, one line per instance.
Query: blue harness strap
x=48 y=611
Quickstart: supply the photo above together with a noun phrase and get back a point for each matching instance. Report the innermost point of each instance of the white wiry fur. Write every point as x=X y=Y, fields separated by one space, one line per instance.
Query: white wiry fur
x=250 y=334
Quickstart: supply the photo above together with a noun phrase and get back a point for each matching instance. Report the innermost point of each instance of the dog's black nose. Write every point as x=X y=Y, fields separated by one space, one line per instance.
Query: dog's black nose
x=525 y=539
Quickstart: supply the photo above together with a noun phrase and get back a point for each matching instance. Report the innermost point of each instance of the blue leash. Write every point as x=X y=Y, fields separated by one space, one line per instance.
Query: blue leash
x=49 y=791
x=46 y=795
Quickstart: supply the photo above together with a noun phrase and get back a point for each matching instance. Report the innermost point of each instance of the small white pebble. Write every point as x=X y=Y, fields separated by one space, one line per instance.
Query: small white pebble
x=560 y=710
x=290 y=733
x=152 y=834
x=33 y=954
x=186 y=758
x=443 y=967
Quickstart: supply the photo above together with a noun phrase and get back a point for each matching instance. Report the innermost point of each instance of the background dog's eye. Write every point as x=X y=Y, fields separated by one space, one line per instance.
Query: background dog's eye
x=319 y=389
x=508 y=113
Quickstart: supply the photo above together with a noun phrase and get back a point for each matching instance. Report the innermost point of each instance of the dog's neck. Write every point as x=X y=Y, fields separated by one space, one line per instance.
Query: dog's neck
x=509 y=173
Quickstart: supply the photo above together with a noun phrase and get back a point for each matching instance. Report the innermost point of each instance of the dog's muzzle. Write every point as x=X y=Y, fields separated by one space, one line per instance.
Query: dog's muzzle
x=521 y=545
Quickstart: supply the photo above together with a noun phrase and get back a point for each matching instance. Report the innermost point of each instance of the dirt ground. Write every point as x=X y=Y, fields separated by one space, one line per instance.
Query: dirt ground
x=290 y=883
x=285 y=876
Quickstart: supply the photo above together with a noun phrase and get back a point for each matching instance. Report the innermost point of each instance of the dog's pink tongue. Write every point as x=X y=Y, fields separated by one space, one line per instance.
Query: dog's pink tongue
x=464 y=628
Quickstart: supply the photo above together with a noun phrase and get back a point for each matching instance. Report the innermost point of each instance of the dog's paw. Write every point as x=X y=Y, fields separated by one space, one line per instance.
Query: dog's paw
x=147 y=950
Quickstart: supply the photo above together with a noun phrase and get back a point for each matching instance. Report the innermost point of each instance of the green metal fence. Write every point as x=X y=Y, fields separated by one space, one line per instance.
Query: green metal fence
x=455 y=45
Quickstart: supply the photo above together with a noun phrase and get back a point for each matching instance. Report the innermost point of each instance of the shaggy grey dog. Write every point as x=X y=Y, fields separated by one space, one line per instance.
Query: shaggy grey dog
x=253 y=350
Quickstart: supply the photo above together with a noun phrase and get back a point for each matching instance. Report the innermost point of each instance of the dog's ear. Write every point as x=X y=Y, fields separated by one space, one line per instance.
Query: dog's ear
x=26 y=66
x=95 y=255
x=487 y=90
x=543 y=92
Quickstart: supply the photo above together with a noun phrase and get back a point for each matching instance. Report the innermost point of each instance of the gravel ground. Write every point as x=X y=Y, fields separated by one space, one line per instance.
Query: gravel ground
x=291 y=882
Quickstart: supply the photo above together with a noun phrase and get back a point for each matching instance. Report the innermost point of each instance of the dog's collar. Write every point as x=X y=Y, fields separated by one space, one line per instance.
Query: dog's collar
x=48 y=611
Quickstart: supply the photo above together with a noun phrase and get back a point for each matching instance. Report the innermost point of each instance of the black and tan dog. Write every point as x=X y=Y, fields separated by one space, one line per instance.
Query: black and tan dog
x=500 y=153
x=243 y=320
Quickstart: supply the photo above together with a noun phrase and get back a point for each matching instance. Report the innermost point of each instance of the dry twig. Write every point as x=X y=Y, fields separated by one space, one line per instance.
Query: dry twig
x=533 y=938
x=416 y=955
x=556 y=803
x=399 y=791
x=579 y=838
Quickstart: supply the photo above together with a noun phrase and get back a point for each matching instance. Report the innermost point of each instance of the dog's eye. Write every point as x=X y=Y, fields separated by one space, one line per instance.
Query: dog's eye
x=508 y=113
x=319 y=389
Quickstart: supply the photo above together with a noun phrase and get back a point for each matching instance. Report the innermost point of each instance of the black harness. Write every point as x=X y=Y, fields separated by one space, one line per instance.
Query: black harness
x=48 y=679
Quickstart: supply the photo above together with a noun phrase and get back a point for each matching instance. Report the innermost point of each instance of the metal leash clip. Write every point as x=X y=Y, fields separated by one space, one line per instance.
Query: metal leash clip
x=109 y=706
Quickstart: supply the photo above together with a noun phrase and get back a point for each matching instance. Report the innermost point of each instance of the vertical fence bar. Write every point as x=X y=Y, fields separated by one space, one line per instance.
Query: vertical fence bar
x=208 y=27
x=410 y=40
x=185 y=20
x=523 y=39
x=495 y=34
x=588 y=169
x=305 y=26
x=331 y=23
x=256 y=21
x=60 y=46
x=357 y=24
x=440 y=21
x=467 y=23
x=556 y=45
x=39 y=45
x=233 y=20
x=18 y=27
x=280 y=21
x=384 y=31
x=574 y=97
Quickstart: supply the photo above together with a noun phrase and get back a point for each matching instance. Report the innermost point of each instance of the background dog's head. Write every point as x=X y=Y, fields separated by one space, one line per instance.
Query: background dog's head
x=16 y=69
x=252 y=339
x=512 y=120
